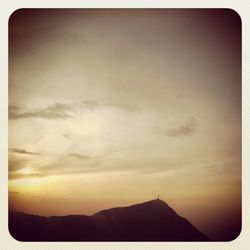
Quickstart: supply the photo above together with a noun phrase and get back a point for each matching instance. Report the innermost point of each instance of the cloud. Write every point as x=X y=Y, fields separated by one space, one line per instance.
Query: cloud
x=64 y=110
x=52 y=111
x=94 y=105
x=16 y=175
x=67 y=136
x=74 y=164
x=16 y=164
x=68 y=164
x=20 y=158
x=22 y=151
x=124 y=107
x=80 y=156
x=187 y=128
x=90 y=104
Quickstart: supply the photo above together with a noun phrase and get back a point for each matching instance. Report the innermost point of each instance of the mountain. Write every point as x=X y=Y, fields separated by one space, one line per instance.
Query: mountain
x=149 y=221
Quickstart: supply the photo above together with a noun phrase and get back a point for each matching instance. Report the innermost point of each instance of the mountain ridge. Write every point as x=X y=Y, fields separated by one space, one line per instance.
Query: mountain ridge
x=152 y=220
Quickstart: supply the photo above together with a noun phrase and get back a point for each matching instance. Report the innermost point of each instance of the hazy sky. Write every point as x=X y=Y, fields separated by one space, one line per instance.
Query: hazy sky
x=111 y=107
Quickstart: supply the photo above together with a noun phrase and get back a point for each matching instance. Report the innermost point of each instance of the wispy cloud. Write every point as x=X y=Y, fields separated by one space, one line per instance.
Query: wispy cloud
x=64 y=110
x=94 y=105
x=69 y=164
x=187 y=128
x=22 y=151
x=67 y=136
x=73 y=164
x=52 y=111
x=16 y=163
x=19 y=168
x=125 y=107
x=90 y=104
x=17 y=175
x=80 y=156
x=80 y=164
x=21 y=158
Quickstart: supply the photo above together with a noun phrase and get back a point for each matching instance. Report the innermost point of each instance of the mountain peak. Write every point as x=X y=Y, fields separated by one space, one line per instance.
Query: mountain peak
x=151 y=207
x=155 y=203
x=152 y=220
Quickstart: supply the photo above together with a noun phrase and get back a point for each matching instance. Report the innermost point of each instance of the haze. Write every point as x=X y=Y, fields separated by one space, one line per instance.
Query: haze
x=111 y=107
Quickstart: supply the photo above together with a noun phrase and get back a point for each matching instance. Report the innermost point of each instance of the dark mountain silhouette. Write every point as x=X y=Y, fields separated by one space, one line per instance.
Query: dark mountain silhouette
x=149 y=221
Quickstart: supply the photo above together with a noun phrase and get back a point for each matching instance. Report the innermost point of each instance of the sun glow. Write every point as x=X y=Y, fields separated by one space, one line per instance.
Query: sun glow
x=32 y=185
x=25 y=171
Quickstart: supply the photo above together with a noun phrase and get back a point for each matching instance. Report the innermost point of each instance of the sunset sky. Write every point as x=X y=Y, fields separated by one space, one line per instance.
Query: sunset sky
x=111 y=107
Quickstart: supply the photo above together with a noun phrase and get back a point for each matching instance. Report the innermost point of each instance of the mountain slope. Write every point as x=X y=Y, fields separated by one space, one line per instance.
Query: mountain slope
x=149 y=221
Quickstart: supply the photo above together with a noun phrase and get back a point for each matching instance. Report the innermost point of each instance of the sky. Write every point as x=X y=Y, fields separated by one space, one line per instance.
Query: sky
x=113 y=107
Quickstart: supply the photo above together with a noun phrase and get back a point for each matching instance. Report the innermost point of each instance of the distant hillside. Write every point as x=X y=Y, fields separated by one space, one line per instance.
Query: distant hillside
x=149 y=221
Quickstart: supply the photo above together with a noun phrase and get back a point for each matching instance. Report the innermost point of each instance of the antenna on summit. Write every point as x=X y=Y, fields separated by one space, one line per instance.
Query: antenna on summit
x=158 y=197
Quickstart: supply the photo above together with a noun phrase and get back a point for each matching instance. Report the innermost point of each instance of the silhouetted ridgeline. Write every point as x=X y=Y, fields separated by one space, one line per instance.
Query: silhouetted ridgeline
x=149 y=221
